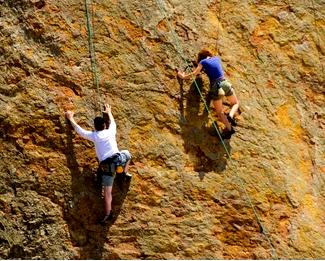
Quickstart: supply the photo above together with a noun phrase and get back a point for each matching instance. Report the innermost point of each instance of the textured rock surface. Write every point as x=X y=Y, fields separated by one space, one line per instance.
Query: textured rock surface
x=184 y=201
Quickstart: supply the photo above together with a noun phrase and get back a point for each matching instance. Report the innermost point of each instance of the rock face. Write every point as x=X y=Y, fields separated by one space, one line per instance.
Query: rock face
x=186 y=200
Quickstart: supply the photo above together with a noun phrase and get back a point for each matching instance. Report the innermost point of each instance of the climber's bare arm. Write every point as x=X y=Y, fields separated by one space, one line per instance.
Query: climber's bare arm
x=196 y=71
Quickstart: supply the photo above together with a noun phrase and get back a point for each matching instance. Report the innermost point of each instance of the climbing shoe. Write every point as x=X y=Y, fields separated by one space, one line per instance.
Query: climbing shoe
x=106 y=219
x=129 y=175
x=227 y=134
x=231 y=120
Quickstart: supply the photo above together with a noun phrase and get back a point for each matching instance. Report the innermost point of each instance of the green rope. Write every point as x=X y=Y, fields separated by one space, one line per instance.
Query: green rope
x=92 y=52
x=181 y=52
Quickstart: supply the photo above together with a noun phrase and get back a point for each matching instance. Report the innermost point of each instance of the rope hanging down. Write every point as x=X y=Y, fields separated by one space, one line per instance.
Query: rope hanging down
x=181 y=52
x=92 y=51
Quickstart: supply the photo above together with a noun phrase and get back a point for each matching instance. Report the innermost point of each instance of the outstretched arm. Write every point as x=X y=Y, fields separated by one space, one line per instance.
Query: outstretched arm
x=196 y=71
x=83 y=133
x=106 y=117
x=69 y=115
x=108 y=112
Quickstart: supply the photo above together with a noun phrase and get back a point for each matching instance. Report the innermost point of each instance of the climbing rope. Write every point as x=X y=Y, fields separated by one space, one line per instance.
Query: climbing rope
x=181 y=52
x=92 y=52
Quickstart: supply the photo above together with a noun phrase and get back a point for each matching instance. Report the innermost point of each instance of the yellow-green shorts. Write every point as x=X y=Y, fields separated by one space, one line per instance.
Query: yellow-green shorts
x=215 y=87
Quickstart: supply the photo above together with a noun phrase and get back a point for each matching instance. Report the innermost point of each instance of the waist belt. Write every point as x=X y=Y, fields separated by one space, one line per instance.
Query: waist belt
x=108 y=166
x=111 y=159
x=217 y=81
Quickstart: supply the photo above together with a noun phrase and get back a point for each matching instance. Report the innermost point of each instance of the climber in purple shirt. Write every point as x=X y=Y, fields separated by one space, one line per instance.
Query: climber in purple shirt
x=219 y=87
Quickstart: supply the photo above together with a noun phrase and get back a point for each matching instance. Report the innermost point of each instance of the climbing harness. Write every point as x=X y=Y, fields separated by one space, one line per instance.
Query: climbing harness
x=92 y=52
x=241 y=183
x=112 y=165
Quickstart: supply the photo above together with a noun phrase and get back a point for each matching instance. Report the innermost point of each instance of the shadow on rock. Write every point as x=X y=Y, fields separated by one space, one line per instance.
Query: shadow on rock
x=202 y=141
x=85 y=206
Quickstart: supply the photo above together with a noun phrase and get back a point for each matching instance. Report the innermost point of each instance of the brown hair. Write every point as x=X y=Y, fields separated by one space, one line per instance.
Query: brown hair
x=203 y=54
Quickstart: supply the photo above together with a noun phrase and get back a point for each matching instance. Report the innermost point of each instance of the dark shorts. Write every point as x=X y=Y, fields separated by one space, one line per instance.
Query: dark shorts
x=107 y=181
x=218 y=89
x=106 y=169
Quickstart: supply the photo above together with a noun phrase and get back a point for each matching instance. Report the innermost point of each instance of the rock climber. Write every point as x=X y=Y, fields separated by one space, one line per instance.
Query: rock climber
x=219 y=87
x=104 y=138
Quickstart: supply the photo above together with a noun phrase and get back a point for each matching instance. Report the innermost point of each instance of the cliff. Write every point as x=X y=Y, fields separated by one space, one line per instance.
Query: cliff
x=186 y=200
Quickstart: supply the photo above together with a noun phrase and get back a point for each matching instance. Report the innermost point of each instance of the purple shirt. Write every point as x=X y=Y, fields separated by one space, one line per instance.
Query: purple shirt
x=213 y=68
